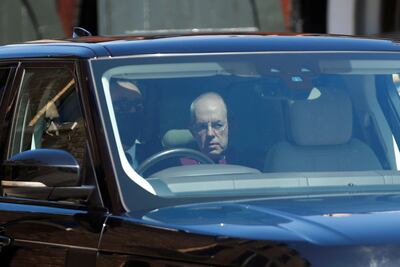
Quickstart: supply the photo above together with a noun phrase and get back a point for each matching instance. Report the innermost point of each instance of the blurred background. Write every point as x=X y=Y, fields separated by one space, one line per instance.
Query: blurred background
x=24 y=20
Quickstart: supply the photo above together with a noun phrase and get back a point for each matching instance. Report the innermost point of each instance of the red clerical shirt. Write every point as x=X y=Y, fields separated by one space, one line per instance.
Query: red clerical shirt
x=189 y=161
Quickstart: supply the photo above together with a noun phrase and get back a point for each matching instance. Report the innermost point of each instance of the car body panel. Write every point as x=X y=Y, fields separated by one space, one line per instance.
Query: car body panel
x=43 y=235
x=53 y=50
x=223 y=232
x=343 y=230
x=248 y=43
x=346 y=220
x=216 y=43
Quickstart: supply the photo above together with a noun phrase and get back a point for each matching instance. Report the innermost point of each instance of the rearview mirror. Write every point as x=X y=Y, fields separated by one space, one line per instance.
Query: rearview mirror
x=50 y=174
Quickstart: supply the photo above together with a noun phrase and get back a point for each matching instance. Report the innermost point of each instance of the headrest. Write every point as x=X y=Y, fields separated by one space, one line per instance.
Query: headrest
x=178 y=138
x=325 y=120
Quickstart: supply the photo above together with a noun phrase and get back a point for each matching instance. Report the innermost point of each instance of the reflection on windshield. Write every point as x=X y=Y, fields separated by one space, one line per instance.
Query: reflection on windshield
x=252 y=124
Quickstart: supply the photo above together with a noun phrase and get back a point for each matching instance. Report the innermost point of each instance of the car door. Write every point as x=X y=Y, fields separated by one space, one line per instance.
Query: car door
x=43 y=111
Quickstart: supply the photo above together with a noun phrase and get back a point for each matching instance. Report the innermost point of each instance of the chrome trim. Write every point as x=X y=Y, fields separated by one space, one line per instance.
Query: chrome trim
x=53 y=244
x=191 y=31
x=8 y=183
x=242 y=53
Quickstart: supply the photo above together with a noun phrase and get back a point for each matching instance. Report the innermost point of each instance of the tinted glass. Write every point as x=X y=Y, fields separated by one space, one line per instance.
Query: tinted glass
x=4 y=73
x=48 y=113
x=254 y=124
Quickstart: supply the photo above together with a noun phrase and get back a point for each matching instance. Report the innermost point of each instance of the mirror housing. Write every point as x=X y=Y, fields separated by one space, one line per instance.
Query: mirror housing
x=49 y=174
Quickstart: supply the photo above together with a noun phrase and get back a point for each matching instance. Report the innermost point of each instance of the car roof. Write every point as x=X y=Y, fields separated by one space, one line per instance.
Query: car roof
x=99 y=47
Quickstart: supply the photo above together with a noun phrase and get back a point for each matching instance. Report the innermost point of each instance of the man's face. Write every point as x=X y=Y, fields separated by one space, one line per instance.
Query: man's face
x=128 y=106
x=210 y=127
x=127 y=98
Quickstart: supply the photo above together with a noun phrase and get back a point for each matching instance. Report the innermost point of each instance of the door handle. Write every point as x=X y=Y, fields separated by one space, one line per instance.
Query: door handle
x=4 y=241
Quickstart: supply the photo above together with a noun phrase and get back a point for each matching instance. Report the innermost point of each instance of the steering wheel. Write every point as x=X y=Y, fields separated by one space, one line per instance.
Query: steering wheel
x=173 y=153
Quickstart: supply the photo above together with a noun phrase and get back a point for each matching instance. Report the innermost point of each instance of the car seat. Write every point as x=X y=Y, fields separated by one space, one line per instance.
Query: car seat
x=178 y=138
x=321 y=138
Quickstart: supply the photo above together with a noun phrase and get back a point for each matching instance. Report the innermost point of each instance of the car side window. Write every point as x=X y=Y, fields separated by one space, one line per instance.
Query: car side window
x=4 y=73
x=47 y=114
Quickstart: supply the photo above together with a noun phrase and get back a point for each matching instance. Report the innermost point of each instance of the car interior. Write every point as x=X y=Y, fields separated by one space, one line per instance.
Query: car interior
x=49 y=115
x=337 y=131
x=303 y=123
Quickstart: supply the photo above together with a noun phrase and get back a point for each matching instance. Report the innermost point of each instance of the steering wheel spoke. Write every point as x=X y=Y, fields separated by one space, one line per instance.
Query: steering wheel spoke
x=173 y=153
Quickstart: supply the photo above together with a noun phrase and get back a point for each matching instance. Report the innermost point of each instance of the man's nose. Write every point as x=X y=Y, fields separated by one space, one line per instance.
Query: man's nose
x=210 y=130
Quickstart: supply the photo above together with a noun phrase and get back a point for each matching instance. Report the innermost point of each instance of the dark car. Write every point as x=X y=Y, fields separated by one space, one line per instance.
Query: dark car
x=200 y=150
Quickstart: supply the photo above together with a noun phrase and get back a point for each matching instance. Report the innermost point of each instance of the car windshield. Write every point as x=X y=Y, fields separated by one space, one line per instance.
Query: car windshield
x=253 y=124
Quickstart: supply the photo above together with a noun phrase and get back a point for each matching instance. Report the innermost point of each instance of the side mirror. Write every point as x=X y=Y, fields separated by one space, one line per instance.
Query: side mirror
x=49 y=174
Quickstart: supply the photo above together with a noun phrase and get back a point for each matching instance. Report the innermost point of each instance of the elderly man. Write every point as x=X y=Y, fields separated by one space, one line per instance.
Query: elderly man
x=209 y=126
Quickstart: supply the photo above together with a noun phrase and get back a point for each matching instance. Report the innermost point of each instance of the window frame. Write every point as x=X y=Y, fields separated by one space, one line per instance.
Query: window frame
x=5 y=96
x=12 y=101
x=155 y=201
x=18 y=87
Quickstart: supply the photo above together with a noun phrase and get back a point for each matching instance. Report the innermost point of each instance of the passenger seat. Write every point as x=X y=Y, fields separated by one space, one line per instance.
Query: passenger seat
x=321 y=138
